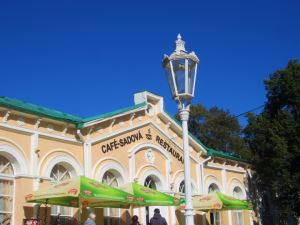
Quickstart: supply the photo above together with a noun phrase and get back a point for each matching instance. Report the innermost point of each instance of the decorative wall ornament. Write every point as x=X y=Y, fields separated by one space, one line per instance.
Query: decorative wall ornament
x=5 y=118
x=100 y=130
x=140 y=117
x=50 y=128
x=150 y=110
x=63 y=133
x=121 y=123
x=149 y=155
x=37 y=123
x=158 y=121
x=131 y=119
x=20 y=121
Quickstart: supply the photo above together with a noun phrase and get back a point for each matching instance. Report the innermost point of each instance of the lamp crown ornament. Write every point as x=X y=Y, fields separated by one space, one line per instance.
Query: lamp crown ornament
x=179 y=44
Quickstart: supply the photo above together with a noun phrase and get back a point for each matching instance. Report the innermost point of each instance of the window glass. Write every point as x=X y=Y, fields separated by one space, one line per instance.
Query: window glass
x=6 y=190
x=111 y=216
x=182 y=187
x=239 y=216
x=215 y=217
x=60 y=173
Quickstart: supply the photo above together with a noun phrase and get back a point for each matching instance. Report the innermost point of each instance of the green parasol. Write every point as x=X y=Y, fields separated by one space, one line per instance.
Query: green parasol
x=82 y=191
x=219 y=201
x=145 y=196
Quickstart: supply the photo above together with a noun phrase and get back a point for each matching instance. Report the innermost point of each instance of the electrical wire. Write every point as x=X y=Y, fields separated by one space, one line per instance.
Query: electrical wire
x=251 y=110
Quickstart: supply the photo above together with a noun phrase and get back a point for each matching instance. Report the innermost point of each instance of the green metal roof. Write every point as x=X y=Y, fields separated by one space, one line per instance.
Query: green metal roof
x=227 y=155
x=26 y=107
x=110 y=114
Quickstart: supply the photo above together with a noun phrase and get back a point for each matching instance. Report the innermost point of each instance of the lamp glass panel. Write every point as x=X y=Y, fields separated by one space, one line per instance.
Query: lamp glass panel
x=179 y=71
x=191 y=76
x=168 y=72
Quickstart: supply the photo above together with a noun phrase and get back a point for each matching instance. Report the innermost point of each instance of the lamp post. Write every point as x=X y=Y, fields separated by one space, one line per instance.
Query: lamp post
x=181 y=69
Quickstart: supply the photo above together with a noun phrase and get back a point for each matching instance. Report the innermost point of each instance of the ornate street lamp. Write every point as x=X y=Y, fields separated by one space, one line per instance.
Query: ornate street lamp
x=181 y=69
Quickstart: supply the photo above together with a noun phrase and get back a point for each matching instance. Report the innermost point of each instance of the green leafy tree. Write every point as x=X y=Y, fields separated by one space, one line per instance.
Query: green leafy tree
x=217 y=129
x=274 y=139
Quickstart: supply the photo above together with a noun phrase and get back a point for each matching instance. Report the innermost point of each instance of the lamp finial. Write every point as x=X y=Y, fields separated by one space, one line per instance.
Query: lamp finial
x=179 y=43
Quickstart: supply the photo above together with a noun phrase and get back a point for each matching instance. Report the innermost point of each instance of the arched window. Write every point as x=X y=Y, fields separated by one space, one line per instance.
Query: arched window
x=213 y=188
x=150 y=183
x=111 y=216
x=6 y=190
x=60 y=173
x=182 y=187
x=238 y=214
x=215 y=217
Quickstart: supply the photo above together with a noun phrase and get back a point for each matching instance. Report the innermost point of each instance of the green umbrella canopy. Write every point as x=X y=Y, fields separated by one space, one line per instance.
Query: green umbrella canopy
x=82 y=191
x=219 y=201
x=145 y=196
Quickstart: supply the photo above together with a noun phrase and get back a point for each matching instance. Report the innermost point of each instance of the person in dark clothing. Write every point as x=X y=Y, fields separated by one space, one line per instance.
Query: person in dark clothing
x=135 y=220
x=157 y=219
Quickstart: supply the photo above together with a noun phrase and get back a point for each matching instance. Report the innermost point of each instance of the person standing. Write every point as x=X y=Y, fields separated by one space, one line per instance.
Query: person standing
x=157 y=219
x=135 y=220
x=91 y=220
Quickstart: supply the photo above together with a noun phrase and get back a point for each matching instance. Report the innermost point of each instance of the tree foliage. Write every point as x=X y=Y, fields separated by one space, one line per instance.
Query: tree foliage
x=274 y=139
x=217 y=129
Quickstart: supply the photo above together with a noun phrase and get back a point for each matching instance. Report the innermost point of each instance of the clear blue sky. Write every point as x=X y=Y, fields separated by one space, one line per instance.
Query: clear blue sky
x=89 y=57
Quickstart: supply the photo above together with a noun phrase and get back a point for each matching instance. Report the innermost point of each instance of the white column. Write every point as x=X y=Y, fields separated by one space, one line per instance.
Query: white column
x=131 y=167
x=251 y=217
x=229 y=217
x=87 y=151
x=34 y=160
x=204 y=219
x=198 y=177
x=225 y=189
x=189 y=211
x=224 y=181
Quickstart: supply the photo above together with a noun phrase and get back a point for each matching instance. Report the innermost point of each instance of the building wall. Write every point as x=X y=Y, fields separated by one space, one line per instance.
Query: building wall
x=132 y=147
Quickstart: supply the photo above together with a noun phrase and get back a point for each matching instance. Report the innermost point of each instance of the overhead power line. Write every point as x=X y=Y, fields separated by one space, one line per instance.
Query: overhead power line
x=251 y=110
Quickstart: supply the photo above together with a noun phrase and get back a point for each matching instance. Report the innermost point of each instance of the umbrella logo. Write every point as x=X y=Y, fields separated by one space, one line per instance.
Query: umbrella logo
x=130 y=198
x=87 y=192
x=203 y=199
x=73 y=203
x=72 y=191
x=140 y=199
x=217 y=206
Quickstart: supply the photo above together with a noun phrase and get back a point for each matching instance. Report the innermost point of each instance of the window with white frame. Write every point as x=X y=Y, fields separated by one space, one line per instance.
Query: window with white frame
x=6 y=191
x=150 y=183
x=238 y=214
x=111 y=216
x=215 y=217
x=181 y=188
x=60 y=173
